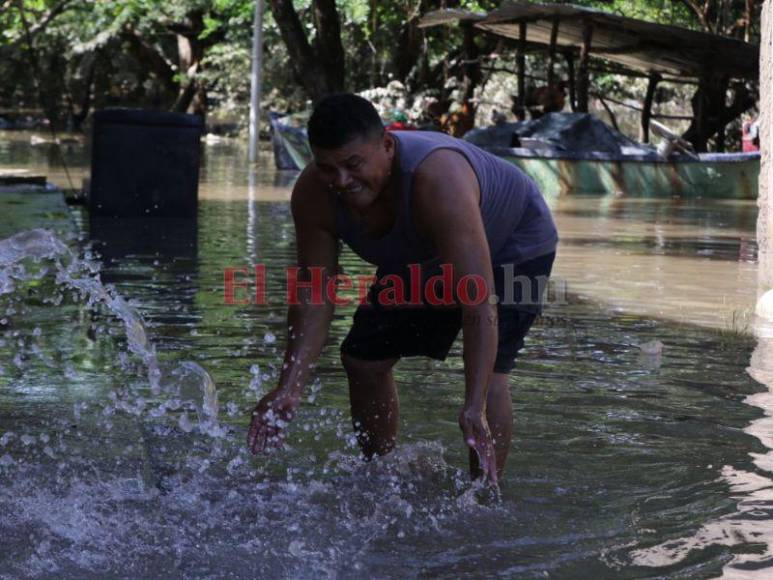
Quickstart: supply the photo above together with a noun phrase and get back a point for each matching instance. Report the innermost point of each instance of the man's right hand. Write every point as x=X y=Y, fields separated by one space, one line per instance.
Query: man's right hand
x=477 y=435
x=269 y=419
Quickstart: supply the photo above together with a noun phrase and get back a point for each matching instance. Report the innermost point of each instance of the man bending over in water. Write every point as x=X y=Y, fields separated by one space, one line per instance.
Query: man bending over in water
x=400 y=199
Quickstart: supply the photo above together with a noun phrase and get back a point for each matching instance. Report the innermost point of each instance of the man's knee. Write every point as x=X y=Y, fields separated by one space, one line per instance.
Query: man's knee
x=370 y=368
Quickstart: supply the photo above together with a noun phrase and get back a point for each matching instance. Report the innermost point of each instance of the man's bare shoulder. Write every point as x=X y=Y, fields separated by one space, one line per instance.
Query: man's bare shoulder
x=311 y=201
x=308 y=187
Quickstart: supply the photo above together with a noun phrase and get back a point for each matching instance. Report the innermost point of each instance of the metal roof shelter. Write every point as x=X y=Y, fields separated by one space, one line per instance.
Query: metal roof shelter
x=635 y=44
x=658 y=50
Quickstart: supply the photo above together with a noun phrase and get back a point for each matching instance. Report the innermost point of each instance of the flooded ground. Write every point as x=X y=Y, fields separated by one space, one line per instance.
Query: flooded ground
x=625 y=464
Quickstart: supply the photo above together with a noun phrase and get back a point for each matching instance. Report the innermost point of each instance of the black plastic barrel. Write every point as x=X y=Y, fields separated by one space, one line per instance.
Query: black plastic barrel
x=144 y=163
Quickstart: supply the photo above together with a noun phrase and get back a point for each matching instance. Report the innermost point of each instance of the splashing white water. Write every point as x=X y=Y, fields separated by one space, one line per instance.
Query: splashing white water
x=193 y=383
x=80 y=275
x=190 y=381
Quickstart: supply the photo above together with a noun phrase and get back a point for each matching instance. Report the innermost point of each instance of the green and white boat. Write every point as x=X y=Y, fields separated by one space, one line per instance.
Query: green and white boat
x=577 y=154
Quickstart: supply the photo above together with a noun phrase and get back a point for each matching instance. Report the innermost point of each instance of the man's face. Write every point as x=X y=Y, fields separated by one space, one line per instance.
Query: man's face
x=359 y=170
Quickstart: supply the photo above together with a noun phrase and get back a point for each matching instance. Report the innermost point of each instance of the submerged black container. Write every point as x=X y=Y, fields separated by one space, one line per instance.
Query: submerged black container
x=144 y=163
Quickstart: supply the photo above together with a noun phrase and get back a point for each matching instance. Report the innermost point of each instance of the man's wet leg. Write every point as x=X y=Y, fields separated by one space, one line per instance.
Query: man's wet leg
x=374 y=403
x=499 y=414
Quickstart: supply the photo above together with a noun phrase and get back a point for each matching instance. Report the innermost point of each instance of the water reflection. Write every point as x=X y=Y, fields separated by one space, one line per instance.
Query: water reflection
x=690 y=261
x=150 y=255
x=747 y=530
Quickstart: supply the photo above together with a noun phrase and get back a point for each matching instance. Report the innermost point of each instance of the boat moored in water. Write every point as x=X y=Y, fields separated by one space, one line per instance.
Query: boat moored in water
x=578 y=154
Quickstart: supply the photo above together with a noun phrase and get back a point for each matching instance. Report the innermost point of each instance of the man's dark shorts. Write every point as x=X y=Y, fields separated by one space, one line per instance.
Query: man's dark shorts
x=382 y=332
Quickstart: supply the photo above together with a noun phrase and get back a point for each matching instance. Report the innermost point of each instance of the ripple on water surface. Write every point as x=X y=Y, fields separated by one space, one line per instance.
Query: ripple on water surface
x=628 y=462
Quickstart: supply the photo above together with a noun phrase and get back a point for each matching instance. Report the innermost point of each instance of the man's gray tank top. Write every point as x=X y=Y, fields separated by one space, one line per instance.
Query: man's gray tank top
x=516 y=218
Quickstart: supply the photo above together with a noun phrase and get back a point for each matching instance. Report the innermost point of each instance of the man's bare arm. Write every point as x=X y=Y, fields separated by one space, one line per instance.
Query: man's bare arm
x=446 y=208
x=308 y=323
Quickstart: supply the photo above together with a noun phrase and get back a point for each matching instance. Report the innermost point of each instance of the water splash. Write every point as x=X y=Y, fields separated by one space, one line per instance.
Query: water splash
x=297 y=526
x=189 y=381
x=77 y=274
x=193 y=383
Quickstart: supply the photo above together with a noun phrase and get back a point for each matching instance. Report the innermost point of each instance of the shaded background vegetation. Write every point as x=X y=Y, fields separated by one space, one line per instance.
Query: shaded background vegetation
x=61 y=59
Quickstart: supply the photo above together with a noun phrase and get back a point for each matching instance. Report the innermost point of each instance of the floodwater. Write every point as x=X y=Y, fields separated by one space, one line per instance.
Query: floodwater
x=627 y=462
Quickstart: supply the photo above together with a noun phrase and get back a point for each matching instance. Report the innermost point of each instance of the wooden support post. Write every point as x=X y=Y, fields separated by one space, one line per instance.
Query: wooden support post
x=552 y=55
x=520 y=62
x=570 y=74
x=646 y=112
x=471 y=67
x=583 y=83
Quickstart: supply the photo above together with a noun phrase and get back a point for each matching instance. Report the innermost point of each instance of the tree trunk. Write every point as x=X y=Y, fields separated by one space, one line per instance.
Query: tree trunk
x=520 y=67
x=709 y=111
x=571 y=81
x=312 y=70
x=192 y=95
x=78 y=117
x=145 y=53
x=471 y=74
x=646 y=112
x=374 y=70
x=552 y=55
x=328 y=44
x=748 y=12
x=706 y=107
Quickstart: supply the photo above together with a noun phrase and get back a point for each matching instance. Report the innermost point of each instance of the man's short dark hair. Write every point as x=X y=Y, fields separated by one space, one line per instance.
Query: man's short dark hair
x=340 y=118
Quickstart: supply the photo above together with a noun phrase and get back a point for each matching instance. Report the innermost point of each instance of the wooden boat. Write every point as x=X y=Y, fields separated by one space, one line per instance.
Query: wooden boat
x=633 y=171
x=289 y=142
x=720 y=175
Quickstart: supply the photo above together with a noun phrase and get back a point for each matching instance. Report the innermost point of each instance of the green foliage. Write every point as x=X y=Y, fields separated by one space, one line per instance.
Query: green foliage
x=83 y=56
